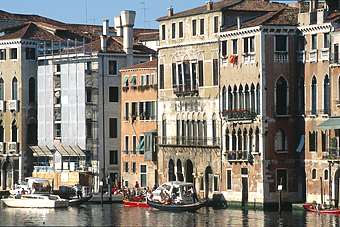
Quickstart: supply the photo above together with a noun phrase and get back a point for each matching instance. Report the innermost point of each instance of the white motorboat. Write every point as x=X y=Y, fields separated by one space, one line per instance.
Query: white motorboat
x=36 y=201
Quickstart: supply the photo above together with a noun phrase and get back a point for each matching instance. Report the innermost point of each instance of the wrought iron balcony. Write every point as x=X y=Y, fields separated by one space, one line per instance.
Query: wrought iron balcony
x=239 y=156
x=332 y=153
x=189 y=141
x=281 y=57
x=313 y=56
x=239 y=115
x=325 y=54
x=186 y=90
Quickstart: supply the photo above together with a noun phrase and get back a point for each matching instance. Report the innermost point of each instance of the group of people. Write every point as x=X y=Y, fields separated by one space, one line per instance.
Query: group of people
x=174 y=197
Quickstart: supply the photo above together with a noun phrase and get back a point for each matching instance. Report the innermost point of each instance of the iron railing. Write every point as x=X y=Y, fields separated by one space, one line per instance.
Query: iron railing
x=185 y=90
x=235 y=115
x=236 y=156
x=189 y=141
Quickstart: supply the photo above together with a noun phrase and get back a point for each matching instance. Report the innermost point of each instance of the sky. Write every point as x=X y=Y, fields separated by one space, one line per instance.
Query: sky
x=94 y=11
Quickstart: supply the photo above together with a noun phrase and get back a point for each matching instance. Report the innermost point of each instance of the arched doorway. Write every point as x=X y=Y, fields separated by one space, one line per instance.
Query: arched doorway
x=189 y=169
x=336 y=187
x=7 y=175
x=208 y=179
x=180 y=176
x=171 y=171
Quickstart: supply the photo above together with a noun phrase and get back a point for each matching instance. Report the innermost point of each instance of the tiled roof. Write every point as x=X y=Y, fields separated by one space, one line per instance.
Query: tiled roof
x=235 y=5
x=144 y=65
x=32 y=32
x=27 y=17
x=147 y=36
x=285 y=16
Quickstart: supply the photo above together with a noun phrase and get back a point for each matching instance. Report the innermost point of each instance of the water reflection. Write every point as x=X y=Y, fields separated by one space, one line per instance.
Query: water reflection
x=116 y=214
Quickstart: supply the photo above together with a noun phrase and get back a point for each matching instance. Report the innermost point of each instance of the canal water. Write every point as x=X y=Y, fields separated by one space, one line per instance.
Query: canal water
x=117 y=215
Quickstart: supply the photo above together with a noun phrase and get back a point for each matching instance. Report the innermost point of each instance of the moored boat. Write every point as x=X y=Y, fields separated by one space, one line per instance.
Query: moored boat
x=312 y=208
x=128 y=203
x=175 y=207
x=36 y=201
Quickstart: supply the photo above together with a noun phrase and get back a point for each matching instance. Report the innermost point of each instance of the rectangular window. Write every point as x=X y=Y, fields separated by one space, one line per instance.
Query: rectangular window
x=200 y=74
x=229 y=179
x=314 y=42
x=134 y=144
x=112 y=67
x=215 y=183
x=134 y=167
x=194 y=74
x=126 y=167
x=180 y=74
x=201 y=26
x=281 y=178
x=161 y=77
x=215 y=72
x=113 y=94
x=174 y=75
x=234 y=46
x=141 y=146
x=30 y=53
x=281 y=42
x=216 y=24
x=173 y=30
x=134 y=109
x=336 y=53
x=224 y=49
x=252 y=44
x=324 y=141
x=163 y=32
x=141 y=111
x=180 y=30
x=326 y=40
x=89 y=128
x=194 y=27
x=143 y=174
x=301 y=43
x=126 y=117
x=313 y=137
x=187 y=80
x=113 y=131
x=126 y=147
x=13 y=53
x=2 y=54
x=248 y=45
x=114 y=157
x=88 y=95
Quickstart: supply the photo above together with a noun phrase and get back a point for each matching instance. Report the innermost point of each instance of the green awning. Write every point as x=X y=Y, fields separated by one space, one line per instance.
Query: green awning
x=331 y=123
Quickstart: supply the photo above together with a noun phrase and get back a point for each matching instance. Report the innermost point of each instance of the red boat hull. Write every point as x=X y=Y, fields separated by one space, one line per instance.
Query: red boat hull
x=311 y=208
x=135 y=204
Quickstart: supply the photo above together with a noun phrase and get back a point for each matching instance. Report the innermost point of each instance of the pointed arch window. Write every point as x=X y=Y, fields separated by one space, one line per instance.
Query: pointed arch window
x=14 y=132
x=214 y=130
x=258 y=99
x=230 y=99
x=2 y=89
x=314 y=93
x=280 y=141
x=224 y=99
x=281 y=96
x=301 y=95
x=14 y=89
x=227 y=140
x=252 y=98
x=31 y=90
x=326 y=95
x=247 y=97
x=234 y=140
x=235 y=95
x=241 y=96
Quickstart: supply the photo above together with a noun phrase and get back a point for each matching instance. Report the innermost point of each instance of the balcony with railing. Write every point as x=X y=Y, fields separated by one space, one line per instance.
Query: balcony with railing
x=13 y=147
x=239 y=156
x=313 y=56
x=248 y=58
x=186 y=90
x=239 y=115
x=281 y=57
x=325 y=54
x=189 y=141
x=332 y=153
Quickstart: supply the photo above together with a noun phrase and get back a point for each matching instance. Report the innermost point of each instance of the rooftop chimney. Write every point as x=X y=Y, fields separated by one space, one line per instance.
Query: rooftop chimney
x=238 y=23
x=128 y=21
x=209 y=5
x=170 y=11
x=118 y=25
x=105 y=27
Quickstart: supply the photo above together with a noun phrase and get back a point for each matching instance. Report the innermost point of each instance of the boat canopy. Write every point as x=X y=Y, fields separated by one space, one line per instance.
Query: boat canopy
x=331 y=123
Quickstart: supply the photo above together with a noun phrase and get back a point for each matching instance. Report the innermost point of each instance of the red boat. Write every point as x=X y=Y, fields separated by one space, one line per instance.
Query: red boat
x=310 y=207
x=128 y=203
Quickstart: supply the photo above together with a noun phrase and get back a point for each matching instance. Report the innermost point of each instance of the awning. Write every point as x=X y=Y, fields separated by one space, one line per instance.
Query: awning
x=301 y=144
x=47 y=151
x=331 y=123
x=41 y=151
x=78 y=150
x=65 y=151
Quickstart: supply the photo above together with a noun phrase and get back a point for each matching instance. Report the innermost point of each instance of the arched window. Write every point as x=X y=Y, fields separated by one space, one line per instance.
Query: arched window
x=325 y=177
x=252 y=98
x=14 y=132
x=2 y=89
x=189 y=128
x=280 y=141
x=245 y=140
x=164 y=130
x=31 y=90
x=235 y=95
x=200 y=132
x=326 y=95
x=227 y=140
x=234 y=140
x=251 y=140
x=258 y=99
x=241 y=95
x=205 y=132
x=184 y=131
x=281 y=96
x=14 y=89
x=194 y=131
x=239 y=140
x=314 y=91
x=230 y=99
x=314 y=174
x=247 y=97
x=301 y=95
x=214 y=130
x=257 y=140
x=224 y=99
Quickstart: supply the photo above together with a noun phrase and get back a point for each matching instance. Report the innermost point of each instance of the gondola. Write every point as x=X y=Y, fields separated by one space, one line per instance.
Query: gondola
x=311 y=208
x=175 y=207
x=128 y=203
